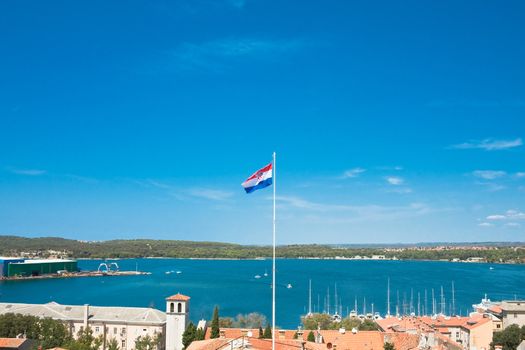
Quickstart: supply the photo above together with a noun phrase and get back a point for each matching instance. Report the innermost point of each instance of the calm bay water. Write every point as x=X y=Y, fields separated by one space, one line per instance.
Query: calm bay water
x=231 y=285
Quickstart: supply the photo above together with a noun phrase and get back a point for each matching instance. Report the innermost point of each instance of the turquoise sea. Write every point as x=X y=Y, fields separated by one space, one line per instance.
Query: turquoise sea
x=232 y=285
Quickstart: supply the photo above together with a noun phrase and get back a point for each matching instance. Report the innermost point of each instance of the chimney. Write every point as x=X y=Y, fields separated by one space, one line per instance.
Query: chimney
x=222 y=333
x=282 y=334
x=300 y=333
x=86 y=316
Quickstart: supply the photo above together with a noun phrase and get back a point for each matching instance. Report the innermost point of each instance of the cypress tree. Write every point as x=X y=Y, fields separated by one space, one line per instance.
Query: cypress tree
x=189 y=335
x=261 y=333
x=215 y=323
x=267 y=332
x=311 y=336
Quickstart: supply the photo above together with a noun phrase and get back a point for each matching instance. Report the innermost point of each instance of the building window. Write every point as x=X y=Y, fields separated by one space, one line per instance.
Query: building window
x=115 y=330
x=144 y=330
x=179 y=307
x=172 y=307
x=123 y=331
x=498 y=326
x=123 y=344
x=515 y=315
x=97 y=329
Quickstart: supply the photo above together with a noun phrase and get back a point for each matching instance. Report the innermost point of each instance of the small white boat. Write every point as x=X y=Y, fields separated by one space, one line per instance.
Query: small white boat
x=179 y=272
x=265 y=274
x=257 y=276
x=491 y=268
x=289 y=286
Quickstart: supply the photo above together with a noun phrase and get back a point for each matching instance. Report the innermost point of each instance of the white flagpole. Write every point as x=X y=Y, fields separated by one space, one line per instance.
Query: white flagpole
x=273 y=260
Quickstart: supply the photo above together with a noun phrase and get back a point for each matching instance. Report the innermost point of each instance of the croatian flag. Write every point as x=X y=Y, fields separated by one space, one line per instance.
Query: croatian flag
x=260 y=179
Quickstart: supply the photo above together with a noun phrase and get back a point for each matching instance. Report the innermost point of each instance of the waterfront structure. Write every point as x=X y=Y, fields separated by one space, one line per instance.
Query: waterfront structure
x=4 y=263
x=177 y=318
x=125 y=324
x=12 y=267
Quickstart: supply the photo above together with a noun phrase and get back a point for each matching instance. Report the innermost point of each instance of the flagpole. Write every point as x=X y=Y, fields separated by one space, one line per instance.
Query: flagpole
x=273 y=260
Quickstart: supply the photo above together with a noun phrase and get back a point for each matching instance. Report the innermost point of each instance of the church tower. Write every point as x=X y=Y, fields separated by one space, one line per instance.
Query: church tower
x=177 y=318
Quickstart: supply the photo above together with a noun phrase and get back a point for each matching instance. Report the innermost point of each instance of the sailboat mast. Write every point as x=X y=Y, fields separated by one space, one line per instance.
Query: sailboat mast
x=388 y=298
x=310 y=298
x=453 y=311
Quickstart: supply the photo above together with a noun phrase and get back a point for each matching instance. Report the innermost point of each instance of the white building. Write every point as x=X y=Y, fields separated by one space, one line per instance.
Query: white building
x=125 y=324
x=177 y=311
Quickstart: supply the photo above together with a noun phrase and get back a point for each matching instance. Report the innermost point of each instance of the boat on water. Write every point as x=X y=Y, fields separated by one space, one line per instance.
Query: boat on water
x=265 y=273
x=178 y=272
x=257 y=276
x=289 y=286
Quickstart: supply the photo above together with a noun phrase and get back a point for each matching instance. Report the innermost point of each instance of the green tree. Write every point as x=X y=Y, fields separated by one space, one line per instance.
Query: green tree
x=295 y=335
x=85 y=341
x=389 y=346
x=509 y=338
x=113 y=344
x=267 y=332
x=200 y=334
x=311 y=336
x=189 y=335
x=215 y=323
x=261 y=333
x=53 y=333
x=368 y=325
x=145 y=343
x=324 y=321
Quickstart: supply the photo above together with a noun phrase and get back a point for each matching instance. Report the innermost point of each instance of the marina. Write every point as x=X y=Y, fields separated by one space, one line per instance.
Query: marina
x=362 y=286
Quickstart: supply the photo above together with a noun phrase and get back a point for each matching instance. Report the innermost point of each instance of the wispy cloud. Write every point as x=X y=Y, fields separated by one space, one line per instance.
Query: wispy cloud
x=489 y=174
x=400 y=190
x=513 y=224
x=220 y=54
x=489 y=144
x=395 y=180
x=520 y=174
x=485 y=224
x=27 y=172
x=356 y=212
x=508 y=215
x=209 y=193
x=355 y=172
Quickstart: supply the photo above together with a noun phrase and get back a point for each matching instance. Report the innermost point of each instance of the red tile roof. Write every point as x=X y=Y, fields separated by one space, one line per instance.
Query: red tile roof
x=178 y=297
x=14 y=343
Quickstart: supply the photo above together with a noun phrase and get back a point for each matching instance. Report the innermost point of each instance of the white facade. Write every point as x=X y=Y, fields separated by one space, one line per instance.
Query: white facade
x=177 y=312
x=125 y=324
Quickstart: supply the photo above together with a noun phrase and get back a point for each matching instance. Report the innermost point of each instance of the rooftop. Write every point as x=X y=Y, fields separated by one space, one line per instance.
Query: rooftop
x=43 y=261
x=178 y=297
x=513 y=305
x=132 y=315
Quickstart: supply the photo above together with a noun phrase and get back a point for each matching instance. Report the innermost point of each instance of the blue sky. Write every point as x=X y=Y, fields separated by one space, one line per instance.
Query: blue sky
x=392 y=122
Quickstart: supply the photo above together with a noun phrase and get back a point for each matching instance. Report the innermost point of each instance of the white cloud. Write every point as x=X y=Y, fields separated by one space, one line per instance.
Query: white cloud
x=520 y=174
x=512 y=224
x=489 y=144
x=353 y=173
x=354 y=213
x=485 y=224
x=509 y=215
x=489 y=174
x=27 y=172
x=208 y=193
x=395 y=180
x=402 y=190
x=496 y=217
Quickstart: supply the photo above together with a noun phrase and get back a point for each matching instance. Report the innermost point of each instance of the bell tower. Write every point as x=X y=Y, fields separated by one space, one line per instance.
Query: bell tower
x=177 y=318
